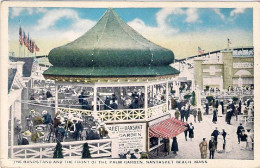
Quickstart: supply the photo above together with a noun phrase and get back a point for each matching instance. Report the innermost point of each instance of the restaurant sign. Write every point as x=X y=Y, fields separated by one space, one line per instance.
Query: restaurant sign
x=243 y=65
x=130 y=136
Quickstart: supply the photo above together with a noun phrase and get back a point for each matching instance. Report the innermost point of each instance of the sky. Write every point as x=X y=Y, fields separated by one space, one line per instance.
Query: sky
x=181 y=30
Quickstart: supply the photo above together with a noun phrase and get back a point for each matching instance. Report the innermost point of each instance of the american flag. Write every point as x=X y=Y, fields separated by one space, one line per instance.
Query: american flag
x=21 y=36
x=32 y=47
x=37 y=48
x=28 y=42
x=229 y=41
x=24 y=39
x=200 y=50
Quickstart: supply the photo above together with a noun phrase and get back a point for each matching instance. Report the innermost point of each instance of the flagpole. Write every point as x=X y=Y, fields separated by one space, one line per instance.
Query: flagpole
x=19 y=38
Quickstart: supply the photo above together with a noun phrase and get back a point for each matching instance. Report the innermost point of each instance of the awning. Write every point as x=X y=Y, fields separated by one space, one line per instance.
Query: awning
x=168 y=128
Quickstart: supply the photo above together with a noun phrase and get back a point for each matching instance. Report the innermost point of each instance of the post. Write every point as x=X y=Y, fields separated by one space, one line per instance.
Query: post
x=146 y=101
x=56 y=98
x=95 y=100
x=12 y=130
x=167 y=95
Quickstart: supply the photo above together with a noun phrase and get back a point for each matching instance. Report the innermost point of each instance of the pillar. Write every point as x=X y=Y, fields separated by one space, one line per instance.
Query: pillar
x=95 y=99
x=167 y=95
x=146 y=101
x=12 y=130
x=56 y=98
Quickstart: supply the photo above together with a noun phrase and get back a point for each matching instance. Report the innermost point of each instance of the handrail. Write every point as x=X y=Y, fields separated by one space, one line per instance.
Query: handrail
x=38 y=145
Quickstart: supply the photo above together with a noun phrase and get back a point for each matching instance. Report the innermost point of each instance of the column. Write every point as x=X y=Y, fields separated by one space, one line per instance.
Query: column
x=95 y=99
x=12 y=130
x=56 y=98
x=167 y=95
x=146 y=101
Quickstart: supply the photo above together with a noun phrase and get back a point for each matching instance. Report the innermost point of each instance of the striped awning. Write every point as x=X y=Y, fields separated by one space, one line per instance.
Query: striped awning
x=168 y=128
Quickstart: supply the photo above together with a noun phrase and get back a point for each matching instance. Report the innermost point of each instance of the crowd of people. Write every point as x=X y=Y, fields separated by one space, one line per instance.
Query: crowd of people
x=63 y=127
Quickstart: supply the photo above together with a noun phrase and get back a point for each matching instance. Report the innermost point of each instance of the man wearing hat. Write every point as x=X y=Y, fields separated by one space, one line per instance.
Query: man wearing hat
x=24 y=140
x=46 y=117
x=79 y=128
x=57 y=121
x=203 y=148
x=37 y=134
x=102 y=131
x=239 y=132
x=212 y=147
x=92 y=135
x=61 y=132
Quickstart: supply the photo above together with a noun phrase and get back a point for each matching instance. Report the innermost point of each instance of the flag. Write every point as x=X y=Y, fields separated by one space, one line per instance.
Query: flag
x=37 y=48
x=229 y=41
x=200 y=50
x=32 y=47
x=21 y=36
x=24 y=39
x=28 y=42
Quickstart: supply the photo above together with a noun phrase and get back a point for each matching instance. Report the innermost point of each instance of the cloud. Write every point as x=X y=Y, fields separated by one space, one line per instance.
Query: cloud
x=221 y=15
x=163 y=28
x=51 y=17
x=237 y=11
x=17 y=11
x=192 y=15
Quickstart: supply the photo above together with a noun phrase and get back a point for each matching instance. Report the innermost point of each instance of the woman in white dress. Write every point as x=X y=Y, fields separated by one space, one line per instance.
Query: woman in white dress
x=228 y=144
x=219 y=110
x=220 y=143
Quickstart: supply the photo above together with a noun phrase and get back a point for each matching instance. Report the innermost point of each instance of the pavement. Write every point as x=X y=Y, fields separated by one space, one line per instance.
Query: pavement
x=190 y=149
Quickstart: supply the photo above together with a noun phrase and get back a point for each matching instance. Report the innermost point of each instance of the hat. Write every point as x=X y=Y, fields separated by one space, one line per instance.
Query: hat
x=58 y=117
x=74 y=119
x=204 y=139
x=27 y=133
x=32 y=111
x=39 y=128
x=102 y=124
x=93 y=128
x=44 y=112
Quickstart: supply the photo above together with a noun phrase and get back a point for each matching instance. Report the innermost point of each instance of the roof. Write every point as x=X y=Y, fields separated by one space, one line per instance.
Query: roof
x=110 y=44
x=11 y=75
x=28 y=64
x=112 y=71
x=168 y=128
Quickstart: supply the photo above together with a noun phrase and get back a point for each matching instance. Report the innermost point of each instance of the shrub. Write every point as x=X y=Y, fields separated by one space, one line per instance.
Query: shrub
x=85 y=151
x=58 y=151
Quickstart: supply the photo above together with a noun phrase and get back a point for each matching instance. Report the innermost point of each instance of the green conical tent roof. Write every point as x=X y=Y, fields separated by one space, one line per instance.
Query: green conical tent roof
x=111 y=45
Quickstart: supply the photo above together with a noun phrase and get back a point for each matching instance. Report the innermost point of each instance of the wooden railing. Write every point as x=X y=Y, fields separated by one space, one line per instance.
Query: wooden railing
x=157 y=110
x=73 y=110
x=123 y=114
x=98 y=149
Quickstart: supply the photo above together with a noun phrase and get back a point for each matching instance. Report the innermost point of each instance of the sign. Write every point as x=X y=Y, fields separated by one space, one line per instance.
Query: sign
x=130 y=136
x=212 y=70
x=243 y=65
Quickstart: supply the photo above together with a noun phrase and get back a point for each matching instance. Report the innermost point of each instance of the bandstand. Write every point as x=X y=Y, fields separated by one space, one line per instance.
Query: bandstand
x=123 y=79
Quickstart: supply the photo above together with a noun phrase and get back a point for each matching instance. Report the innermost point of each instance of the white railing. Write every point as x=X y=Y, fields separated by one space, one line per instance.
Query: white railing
x=121 y=115
x=157 y=110
x=98 y=149
x=72 y=110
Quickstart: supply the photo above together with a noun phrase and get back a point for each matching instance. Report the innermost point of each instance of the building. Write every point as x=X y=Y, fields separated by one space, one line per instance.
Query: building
x=224 y=68
x=113 y=59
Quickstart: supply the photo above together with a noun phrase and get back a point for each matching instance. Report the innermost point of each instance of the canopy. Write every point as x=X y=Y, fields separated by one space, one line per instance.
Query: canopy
x=168 y=128
x=110 y=49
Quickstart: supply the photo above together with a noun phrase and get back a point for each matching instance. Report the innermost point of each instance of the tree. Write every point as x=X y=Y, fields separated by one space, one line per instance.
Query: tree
x=85 y=151
x=193 y=99
x=187 y=96
x=58 y=151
